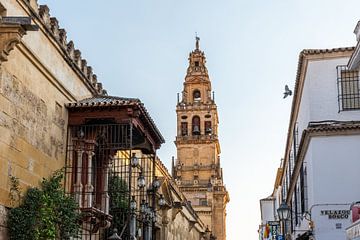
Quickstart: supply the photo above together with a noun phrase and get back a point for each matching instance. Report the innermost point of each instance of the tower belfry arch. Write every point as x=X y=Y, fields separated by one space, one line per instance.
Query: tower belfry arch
x=197 y=169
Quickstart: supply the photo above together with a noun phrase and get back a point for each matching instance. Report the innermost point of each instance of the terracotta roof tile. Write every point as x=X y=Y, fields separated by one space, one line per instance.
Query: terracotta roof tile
x=330 y=50
x=103 y=100
x=110 y=101
x=329 y=126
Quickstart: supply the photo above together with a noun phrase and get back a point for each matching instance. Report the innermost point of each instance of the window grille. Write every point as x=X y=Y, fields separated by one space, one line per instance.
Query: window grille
x=348 y=89
x=102 y=179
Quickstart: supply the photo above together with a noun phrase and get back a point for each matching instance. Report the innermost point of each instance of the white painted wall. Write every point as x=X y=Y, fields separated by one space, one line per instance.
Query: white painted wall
x=333 y=165
x=267 y=210
x=319 y=100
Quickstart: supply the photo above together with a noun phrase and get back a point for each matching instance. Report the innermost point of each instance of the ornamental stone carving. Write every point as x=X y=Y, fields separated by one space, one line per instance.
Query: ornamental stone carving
x=11 y=35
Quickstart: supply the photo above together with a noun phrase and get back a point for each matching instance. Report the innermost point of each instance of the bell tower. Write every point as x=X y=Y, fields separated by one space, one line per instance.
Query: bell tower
x=197 y=168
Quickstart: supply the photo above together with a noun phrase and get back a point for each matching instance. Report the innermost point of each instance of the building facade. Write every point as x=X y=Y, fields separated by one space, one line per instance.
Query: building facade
x=55 y=114
x=197 y=169
x=321 y=154
x=40 y=71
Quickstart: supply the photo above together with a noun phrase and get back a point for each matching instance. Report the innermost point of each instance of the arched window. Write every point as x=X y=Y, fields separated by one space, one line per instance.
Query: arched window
x=208 y=129
x=184 y=128
x=196 y=95
x=196 y=125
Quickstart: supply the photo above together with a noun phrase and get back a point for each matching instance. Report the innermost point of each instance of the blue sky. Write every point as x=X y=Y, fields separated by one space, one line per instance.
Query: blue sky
x=139 y=48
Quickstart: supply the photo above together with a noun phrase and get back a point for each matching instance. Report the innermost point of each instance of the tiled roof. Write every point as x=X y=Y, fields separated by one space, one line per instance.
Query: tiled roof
x=331 y=50
x=332 y=126
x=103 y=100
x=110 y=101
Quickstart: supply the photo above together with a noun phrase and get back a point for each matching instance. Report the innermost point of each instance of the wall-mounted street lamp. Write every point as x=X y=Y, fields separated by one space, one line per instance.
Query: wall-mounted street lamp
x=161 y=201
x=156 y=183
x=134 y=160
x=284 y=214
x=133 y=204
x=141 y=181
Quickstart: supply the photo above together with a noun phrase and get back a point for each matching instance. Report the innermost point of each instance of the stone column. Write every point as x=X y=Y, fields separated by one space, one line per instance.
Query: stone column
x=89 y=188
x=78 y=186
x=106 y=197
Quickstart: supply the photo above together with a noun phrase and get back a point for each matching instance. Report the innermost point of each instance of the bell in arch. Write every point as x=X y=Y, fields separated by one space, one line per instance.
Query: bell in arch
x=196 y=130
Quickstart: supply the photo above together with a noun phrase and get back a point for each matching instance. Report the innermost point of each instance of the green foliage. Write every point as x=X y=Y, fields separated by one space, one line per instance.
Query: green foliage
x=119 y=200
x=15 y=191
x=45 y=213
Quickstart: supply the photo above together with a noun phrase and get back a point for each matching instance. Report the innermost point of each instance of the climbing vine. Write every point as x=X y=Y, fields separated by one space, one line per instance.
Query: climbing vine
x=15 y=191
x=45 y=213
x=119 y=197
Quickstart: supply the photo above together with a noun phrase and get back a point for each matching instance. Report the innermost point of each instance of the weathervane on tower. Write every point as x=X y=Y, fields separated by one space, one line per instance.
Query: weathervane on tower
x=197 y=41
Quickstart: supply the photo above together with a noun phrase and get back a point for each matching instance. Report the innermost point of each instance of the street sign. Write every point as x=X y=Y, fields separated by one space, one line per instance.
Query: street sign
x=273 y=223
x=280 y=237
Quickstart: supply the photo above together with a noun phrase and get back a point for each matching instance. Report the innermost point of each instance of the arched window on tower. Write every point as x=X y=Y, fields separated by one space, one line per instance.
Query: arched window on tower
x=196 y=125
x=184 y=128
x=196 y=95
x=208 y=129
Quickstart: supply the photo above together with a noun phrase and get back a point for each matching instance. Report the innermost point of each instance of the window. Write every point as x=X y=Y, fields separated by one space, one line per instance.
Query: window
x=184 y=129
x=196 y=125
x=196 y=95
x=303 y=189
x=203 y=202
x=196 y=63
x=348 y=89
x=208 y=129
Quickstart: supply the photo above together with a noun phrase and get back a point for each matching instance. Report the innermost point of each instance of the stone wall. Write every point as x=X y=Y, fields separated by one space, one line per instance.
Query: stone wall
x=40 y=71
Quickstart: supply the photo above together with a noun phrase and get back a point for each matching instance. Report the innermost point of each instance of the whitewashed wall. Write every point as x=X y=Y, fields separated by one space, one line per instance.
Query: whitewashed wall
x=319 y=99
x=333 y=165
x=267 y=210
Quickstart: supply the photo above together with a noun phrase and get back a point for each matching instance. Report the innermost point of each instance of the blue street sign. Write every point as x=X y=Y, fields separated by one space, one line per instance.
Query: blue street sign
x=280 y=237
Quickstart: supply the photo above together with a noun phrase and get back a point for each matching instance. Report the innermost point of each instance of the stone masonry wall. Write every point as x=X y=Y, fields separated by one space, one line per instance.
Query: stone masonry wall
x=40 y=74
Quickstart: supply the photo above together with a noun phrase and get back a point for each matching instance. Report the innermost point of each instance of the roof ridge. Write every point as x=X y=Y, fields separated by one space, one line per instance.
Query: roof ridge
x=311 y=51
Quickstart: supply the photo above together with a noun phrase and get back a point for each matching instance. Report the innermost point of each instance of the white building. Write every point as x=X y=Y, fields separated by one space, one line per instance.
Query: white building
x=322 y=155
x=270 y=225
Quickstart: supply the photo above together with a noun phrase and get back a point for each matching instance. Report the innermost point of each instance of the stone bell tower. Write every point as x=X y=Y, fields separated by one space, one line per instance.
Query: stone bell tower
x=197 y=169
